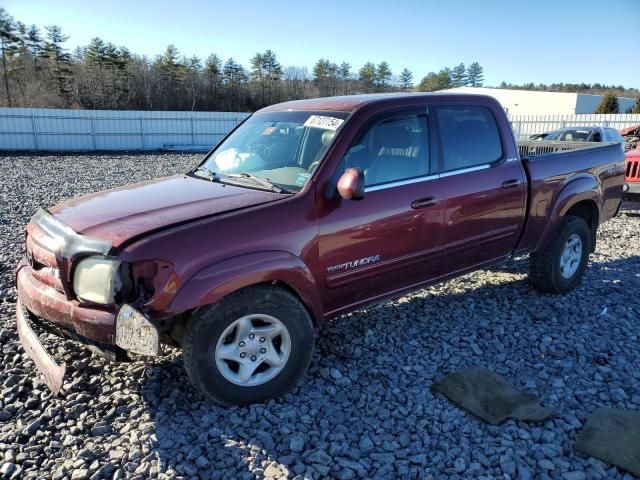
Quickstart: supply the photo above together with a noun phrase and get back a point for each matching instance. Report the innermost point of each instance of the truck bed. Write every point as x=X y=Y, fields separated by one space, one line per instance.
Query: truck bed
x=535 y=148
x=557 y=170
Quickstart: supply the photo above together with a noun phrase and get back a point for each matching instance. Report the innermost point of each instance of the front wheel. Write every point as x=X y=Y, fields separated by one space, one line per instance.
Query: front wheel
x=558 y=267
x=254 y=345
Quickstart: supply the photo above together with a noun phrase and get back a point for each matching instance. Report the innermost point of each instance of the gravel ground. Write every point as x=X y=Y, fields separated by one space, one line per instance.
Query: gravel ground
x=365 y=408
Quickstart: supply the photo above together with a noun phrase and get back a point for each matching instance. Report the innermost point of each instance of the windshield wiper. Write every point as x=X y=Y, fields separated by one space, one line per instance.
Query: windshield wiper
x=262 y=181
x=208 y=174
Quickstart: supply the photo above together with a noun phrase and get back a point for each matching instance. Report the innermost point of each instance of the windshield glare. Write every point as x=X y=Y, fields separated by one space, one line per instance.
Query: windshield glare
x=282 y=147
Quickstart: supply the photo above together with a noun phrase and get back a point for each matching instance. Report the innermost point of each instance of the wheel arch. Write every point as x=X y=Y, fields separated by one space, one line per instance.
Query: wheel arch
x=587 y=210
x=580 y=196
x=278 y=268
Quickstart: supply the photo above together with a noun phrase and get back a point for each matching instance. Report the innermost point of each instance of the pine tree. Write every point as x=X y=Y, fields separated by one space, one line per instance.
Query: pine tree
x=322 y=72
x=213 y=73
x=475 y=75
x=459 y=76
x=8 y=39
x=59 y=60
x=367 y=76
x=95 y=52
x=344 y=74
x=383 y=76
x=170 y=62
x=234 y=73
x=436 y=81
x=609 y=104
x=234 y=77
x=34 y=41
x=257 y=73
x=273 y=73
x=406 y=79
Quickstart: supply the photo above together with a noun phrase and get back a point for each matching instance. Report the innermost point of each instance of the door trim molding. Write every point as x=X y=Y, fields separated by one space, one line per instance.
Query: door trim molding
x=400 y=183
x=409 y=181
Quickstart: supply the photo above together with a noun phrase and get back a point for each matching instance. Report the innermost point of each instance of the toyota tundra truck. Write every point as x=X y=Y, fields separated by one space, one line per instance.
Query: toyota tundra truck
x=305 y=211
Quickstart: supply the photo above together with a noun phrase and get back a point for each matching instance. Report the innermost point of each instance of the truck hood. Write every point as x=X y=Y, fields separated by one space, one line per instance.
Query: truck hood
x=123 y=213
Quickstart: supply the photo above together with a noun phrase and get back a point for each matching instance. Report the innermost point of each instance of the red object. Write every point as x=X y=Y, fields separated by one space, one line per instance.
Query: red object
x=189 y=242
x=626 y=131
x=351 y=184
x=631 y=189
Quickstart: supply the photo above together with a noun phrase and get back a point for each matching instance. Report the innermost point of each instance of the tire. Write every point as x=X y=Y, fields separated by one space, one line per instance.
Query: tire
x=219 y=331
x=547 y=272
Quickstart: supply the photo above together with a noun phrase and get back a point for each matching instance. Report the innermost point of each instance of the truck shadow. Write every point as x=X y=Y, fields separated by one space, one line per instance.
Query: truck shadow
x=365 y=408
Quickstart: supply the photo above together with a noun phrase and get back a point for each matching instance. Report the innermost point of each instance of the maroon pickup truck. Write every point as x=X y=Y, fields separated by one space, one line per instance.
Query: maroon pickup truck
x=305 y=211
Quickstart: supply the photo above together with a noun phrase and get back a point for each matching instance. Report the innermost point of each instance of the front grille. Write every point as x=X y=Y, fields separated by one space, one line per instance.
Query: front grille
x=632 y=170
x=42 y=258
x=50 y=327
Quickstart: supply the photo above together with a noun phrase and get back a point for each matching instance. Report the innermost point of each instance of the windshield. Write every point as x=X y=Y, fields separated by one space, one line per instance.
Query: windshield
x=284 y=148
x=569 y=135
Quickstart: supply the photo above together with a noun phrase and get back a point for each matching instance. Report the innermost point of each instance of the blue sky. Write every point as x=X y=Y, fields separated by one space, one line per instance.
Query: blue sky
x=514 y=40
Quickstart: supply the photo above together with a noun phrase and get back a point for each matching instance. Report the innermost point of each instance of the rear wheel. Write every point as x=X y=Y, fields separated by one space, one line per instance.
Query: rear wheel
x=559 y=267
x=254 y=345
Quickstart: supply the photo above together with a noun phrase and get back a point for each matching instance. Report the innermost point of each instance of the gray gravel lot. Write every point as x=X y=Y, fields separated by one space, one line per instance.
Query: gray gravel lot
x=364 y=409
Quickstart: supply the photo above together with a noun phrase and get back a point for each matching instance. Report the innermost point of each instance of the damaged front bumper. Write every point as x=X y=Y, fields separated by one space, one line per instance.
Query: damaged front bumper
x=45 y=297
x=101 y=331
x=52 y=373
x=43 y=301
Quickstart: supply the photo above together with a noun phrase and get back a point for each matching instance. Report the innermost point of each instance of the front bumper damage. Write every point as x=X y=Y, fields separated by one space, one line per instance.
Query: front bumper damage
x=52 y=373
x=45 y=299
x=133 y=333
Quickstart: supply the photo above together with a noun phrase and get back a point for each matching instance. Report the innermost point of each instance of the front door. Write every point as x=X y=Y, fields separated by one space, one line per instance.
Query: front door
x=392 y=238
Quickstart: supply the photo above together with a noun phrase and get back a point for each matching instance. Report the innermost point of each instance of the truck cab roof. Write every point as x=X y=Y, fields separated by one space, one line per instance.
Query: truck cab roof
x=353 y=102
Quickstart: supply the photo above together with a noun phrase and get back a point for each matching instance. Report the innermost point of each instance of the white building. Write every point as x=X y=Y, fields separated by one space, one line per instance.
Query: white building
x=529 y=102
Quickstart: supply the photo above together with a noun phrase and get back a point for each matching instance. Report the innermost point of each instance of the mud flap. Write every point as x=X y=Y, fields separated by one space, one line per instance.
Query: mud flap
x=52 y=373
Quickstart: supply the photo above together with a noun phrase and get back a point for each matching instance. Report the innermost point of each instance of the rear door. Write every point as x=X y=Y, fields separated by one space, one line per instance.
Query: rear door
x=392 y=238
x=485 y=191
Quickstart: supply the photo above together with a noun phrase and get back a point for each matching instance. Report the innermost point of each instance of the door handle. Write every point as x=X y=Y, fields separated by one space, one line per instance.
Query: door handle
x=511 y=183
x=424 y=203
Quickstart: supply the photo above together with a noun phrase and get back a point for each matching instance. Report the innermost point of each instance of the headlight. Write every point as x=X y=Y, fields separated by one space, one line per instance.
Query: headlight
x=95 y=279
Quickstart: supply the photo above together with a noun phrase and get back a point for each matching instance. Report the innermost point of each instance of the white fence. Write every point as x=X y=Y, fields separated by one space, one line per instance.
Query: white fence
x=82 y=130
x=526 y=125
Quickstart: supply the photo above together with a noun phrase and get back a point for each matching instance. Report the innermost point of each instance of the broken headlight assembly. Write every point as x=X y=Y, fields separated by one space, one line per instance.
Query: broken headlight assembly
x=96 y=279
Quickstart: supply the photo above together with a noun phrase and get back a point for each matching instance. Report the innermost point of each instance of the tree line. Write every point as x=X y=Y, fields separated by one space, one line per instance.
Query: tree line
x=39 y=71
x=593 y=89
x=458 y=76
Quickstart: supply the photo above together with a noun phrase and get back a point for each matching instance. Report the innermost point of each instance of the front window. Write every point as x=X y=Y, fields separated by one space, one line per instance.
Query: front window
x=394 y=149
x=284 y=148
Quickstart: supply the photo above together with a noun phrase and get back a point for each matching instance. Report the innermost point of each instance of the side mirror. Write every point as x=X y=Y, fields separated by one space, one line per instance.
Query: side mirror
x=351 y=184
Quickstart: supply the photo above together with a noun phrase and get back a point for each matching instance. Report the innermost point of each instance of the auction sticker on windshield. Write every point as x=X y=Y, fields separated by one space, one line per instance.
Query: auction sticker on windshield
x=320 y=121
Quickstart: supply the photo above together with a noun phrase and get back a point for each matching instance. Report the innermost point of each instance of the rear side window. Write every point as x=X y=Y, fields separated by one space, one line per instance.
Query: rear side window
x=469 y=135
